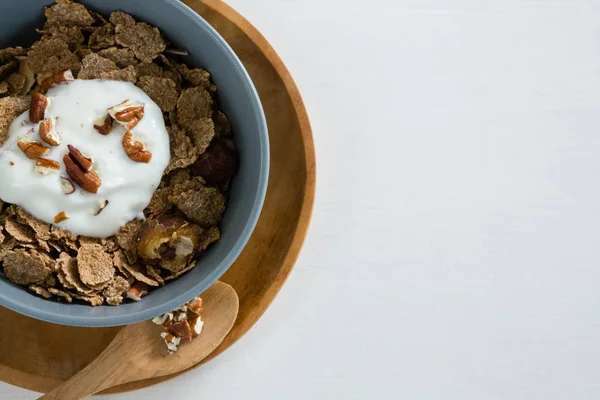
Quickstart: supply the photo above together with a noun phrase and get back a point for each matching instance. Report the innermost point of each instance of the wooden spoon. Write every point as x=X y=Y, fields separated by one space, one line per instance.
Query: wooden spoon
x=138 y=352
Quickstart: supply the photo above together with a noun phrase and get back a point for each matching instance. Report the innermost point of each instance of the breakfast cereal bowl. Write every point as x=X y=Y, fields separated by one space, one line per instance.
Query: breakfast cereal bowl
x=236 y=97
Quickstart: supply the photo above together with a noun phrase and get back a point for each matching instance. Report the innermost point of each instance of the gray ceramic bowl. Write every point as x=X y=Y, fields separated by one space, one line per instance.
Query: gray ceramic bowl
x=238 y=98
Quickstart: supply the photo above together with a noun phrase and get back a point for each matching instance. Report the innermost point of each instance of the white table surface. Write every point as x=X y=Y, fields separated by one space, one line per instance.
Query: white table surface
x=453 y=252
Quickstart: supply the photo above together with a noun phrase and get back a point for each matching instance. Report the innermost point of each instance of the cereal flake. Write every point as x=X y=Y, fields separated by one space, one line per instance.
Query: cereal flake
x=71 y=35
x=121 y=18
x=103 y=37
x=9 y=53
x=135 y=270
x=94 y=66
x=203 y=206
x=10 y=108
x=117 y=287
x=149 y=69
x=66 y=13
x=40 y=291
x=160 y=203
x=94 y=265
x=49 y=56
x=183 y=152
x=162 y=91
x=202 y=132
x=16 y=83
x=61 y=294
x=122 y=57
x=22 y=233
x=25 y=268
x=145 y=40
x=127 y=239
x=193 y=104
x=196 y=77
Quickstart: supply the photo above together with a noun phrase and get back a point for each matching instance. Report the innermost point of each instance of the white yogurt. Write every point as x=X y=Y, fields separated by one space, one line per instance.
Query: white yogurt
x=127 y=185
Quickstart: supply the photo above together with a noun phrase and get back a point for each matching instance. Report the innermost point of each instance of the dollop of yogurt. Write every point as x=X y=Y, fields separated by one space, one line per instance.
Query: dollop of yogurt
x=127 y=185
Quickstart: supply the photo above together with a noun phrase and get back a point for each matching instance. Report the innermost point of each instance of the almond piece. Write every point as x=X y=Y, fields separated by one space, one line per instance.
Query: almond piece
x=89 y=181
x=48 y=131
x=57 y=78
x=60 y=217
x=135 y=149
x=104 y=125
x=137 y=291
x=43 y=166
x=67 y=185
x=33 y=150
x=37 y=110
x=84 y=162
x=128 y=113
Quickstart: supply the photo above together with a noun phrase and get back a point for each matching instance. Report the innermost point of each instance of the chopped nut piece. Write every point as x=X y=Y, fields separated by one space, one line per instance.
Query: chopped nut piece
x=128 y=113
x=183 y=330
x=67 y=185
x=137 y=291
x=135 y=149
x=196 y=305
x=171 y=341
x=33 y=150
x=60 y=217
x=165 y=320
x=78 y=168
x=57 y=78
x=101 y=205
x=104 y=125
x=37 y=110
x=84 y=162
x=196 y=324
x=48 y=132
x=43 y=166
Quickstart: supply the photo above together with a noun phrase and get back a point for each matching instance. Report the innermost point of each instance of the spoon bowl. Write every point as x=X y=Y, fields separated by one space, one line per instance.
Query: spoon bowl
x=138 y=352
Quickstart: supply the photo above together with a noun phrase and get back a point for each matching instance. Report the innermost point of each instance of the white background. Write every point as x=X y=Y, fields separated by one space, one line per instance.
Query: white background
x=454 y=248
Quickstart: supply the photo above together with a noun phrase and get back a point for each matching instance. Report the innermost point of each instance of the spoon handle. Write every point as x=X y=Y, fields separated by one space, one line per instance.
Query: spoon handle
x=107 y=370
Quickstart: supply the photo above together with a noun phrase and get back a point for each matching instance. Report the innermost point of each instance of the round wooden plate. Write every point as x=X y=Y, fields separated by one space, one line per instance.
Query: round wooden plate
x=38 y=356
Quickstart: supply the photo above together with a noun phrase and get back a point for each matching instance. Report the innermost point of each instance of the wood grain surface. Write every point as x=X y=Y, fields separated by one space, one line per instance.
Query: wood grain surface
x=137 y=352
x=38 y=356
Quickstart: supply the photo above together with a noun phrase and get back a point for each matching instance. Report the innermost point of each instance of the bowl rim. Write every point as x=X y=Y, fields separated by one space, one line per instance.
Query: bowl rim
x=258 y=201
